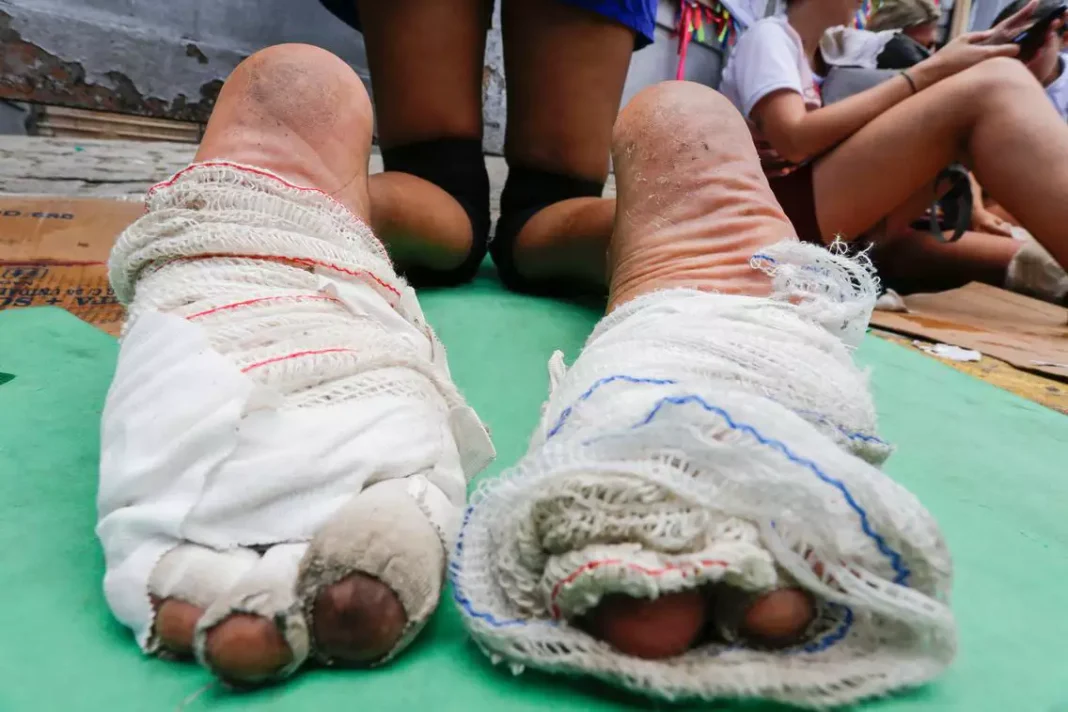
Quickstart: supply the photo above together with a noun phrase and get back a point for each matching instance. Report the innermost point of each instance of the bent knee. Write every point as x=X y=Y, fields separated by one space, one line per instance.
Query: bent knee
x=999 y=73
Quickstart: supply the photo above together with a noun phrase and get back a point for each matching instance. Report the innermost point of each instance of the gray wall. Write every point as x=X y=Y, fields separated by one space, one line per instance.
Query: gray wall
x=155 y=57
x=93 y=53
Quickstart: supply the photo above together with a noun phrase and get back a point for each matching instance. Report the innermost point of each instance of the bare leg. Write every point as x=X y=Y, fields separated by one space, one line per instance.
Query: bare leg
x=913 y=261
x=302 y=113
x=426 y=67
x=690 y=213
x=910 y=260
x=566 y=67
x=994 y=115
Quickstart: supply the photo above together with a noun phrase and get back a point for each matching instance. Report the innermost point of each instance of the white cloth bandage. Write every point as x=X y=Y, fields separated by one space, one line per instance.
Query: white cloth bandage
x=1033 y=271
x=702 y=438
x=272 y=367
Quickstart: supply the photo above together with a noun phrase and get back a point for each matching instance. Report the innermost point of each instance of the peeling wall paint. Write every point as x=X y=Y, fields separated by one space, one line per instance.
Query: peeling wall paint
x=146 y=57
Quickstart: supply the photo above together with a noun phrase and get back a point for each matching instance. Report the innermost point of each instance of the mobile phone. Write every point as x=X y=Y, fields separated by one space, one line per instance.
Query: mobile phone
x=1031 y=39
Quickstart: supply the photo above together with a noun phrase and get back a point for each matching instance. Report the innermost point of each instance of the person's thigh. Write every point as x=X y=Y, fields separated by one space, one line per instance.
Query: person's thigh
x=884 y=164
x=566 y=67
x=914 y=261
x=426 y=61
x=431 y=205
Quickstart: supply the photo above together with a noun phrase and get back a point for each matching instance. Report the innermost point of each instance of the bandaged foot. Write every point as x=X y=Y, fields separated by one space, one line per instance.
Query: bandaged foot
x=284 y=455
x=1034 y=272
x=700 y=513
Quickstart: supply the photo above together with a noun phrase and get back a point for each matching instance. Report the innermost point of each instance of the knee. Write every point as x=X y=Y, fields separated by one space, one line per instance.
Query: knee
x=994 y=78
x=658 y=110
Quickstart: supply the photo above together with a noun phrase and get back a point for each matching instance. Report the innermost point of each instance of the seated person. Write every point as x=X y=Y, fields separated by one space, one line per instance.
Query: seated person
x=918 y=22
x=1048 y=66
x=865 y=167
x=566 y=62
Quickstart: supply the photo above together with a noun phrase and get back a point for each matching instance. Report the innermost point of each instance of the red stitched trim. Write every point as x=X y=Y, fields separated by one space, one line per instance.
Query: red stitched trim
x=301 y=261
x=591 y=565
x=298 y=354
x=249 y=302
x=262 y=173
x=241 y=169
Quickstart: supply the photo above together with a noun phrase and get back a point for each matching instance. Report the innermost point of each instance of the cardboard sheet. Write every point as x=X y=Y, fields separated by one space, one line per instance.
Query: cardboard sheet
x=1029 y=334
x=54 y=251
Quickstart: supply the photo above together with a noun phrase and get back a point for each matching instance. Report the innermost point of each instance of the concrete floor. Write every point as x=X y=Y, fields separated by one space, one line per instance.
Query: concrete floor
x=50 y=166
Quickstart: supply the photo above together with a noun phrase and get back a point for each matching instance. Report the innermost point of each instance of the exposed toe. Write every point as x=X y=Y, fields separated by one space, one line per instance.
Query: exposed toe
x=246 y=648
x=175 y=624
x=649 y=628
x=357 y=620
x=778 y=618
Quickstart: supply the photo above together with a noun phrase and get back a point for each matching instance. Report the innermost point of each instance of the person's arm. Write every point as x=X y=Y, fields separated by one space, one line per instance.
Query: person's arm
x=797 y=134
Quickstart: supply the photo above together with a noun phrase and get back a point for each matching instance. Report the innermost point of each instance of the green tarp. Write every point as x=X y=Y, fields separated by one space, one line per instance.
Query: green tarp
x=992 y=467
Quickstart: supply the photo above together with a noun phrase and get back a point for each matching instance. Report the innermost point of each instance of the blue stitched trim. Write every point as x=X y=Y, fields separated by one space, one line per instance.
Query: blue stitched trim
x=458 y=595
x=851 y=434
x=566 y=413
x=893 y=556
x=834 y=636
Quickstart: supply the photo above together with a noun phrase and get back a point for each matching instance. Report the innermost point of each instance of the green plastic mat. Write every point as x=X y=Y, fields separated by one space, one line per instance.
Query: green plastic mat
x=990 y=465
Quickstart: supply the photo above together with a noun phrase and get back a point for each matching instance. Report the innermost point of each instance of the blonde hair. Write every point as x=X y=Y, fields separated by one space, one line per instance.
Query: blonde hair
x=902 y=14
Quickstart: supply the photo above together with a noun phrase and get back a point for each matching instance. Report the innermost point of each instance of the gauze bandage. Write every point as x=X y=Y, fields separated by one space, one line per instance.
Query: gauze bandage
x=276 y=376
x=703 y=438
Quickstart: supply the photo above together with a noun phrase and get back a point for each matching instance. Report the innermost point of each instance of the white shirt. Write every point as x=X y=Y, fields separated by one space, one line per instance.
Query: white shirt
x=768 y=57
x=1058 y=90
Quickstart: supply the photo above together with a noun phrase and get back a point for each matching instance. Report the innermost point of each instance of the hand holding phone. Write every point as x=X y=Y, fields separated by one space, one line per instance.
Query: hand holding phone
x=1032 y=39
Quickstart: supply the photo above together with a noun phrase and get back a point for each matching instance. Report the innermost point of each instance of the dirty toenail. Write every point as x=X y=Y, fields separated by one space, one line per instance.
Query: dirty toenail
x=358 y=620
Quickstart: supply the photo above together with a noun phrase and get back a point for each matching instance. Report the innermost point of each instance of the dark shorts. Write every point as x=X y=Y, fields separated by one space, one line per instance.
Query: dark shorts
x=795 y=194
x=638 y=15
